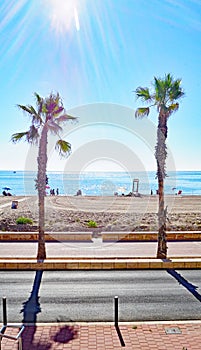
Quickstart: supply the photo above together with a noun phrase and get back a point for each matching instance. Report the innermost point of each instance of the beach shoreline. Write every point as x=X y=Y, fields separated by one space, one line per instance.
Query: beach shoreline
x=112 y=213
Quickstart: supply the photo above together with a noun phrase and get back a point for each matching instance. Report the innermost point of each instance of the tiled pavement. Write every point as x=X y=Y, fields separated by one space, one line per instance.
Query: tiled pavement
x=96 y=255
x=143 y=336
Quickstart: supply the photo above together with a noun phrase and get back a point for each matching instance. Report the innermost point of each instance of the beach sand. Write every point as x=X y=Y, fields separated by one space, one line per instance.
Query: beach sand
x=118 y=213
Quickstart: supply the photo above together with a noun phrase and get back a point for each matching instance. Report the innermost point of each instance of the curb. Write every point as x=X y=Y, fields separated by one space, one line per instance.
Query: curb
x=99 y=264
x=111 y=323
x=86 y=236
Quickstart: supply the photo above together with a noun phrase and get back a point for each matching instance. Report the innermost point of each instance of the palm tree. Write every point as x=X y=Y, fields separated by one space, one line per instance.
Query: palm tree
x=47 y=117
x=166 y=92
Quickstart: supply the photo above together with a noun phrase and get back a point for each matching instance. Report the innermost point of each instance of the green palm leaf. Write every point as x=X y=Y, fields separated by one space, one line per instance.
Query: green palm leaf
x=142 y=112
x=58 y=110
x=63 y=147
x=25 y=109
x=160 y=90
x=176 y=91
x=173 y=108
x=64 y=118
x=36 y=118
x=18 y=136
x=143 y=94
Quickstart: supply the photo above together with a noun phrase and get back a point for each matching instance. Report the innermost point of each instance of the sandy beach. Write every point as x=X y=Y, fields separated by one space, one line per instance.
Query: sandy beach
x=121 y=213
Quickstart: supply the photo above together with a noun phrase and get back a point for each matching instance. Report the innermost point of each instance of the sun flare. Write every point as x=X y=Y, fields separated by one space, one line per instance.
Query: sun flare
x=63 y=15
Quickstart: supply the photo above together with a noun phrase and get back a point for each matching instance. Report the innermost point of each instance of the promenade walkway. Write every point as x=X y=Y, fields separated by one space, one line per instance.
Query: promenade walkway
x=105 y=336
x=98 y=255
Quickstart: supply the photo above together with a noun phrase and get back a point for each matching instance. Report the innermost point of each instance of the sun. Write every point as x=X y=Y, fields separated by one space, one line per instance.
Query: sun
x=63 y=15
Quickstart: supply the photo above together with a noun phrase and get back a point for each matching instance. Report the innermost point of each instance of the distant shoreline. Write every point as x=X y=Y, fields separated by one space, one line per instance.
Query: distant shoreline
x=101 y=183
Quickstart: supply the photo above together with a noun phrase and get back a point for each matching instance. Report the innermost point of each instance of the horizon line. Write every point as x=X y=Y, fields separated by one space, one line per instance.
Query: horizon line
x=99 y=171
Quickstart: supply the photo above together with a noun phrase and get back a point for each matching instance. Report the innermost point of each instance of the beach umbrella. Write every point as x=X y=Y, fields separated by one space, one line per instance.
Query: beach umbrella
x=7 y=188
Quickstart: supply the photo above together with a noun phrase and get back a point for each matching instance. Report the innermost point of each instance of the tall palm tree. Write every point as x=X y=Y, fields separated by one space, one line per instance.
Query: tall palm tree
x=48 y=115
x=164 y=96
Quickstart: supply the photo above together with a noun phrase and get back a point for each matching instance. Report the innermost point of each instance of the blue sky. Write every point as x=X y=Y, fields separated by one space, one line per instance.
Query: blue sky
x=100 y=51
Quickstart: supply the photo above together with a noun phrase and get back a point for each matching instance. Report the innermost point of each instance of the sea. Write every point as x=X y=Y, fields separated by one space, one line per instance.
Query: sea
x=22 y=183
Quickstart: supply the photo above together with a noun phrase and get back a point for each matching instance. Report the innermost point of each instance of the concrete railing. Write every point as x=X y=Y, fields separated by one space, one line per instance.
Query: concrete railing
x=106 y=236
x=150 y=236
x=49 y=236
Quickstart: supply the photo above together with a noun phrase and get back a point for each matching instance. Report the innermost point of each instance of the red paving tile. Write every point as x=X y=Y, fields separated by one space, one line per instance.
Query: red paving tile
x=104 y=337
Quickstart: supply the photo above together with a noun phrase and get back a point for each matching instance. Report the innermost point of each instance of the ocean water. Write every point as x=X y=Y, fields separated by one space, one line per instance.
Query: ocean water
x=102 y=183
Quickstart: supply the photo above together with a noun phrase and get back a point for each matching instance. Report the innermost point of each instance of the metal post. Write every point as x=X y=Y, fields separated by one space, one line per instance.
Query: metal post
x=4 y=312
x=20 y=343
x=116 y=311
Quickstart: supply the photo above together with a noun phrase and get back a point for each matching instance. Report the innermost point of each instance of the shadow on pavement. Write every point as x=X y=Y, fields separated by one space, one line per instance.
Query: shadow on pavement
x=120 y=336
x=30 y=309
x=65 y=334
x=189 y=286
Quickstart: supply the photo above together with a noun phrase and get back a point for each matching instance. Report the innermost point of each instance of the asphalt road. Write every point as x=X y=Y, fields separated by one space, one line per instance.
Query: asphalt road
x=89 y=295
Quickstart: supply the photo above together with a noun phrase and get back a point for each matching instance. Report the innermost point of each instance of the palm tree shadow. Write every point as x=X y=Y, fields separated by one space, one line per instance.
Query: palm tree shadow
x=189 y=286
x=65 y=334
x=30 y=309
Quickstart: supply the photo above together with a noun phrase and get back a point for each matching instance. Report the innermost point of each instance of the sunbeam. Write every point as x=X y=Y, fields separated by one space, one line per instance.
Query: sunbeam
x=63 y=15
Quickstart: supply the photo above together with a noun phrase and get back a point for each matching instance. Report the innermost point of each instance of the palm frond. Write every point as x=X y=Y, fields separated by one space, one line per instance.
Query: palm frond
x=168 y=80
x=58 y=110
x=53 y=104
x=39 y=99
x=64 y=118
x=18 y=136
x=160 y=90
x=39 y=102
x=63 y=147
x=32 y=109
x=53 y=126
x=176 y=91
x=32 y=135
x=173 y=108
x=141 y=112
x=25 y=108
x=36 y=118
x=51 y=107
x=143 y=94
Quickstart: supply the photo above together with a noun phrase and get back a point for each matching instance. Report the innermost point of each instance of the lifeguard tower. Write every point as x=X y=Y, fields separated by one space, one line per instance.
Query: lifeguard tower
x=135 y=188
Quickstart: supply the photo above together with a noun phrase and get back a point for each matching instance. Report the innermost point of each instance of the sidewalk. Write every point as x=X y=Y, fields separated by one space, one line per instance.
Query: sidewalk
x=105 y=336
x=98 y=255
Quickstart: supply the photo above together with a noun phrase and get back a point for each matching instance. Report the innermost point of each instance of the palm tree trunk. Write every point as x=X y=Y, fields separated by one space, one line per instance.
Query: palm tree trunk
x=42 y=164
x=162 y=242
x=161 y=155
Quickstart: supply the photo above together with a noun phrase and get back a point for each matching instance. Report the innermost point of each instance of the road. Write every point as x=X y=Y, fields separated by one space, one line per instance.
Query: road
x=89 y=295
